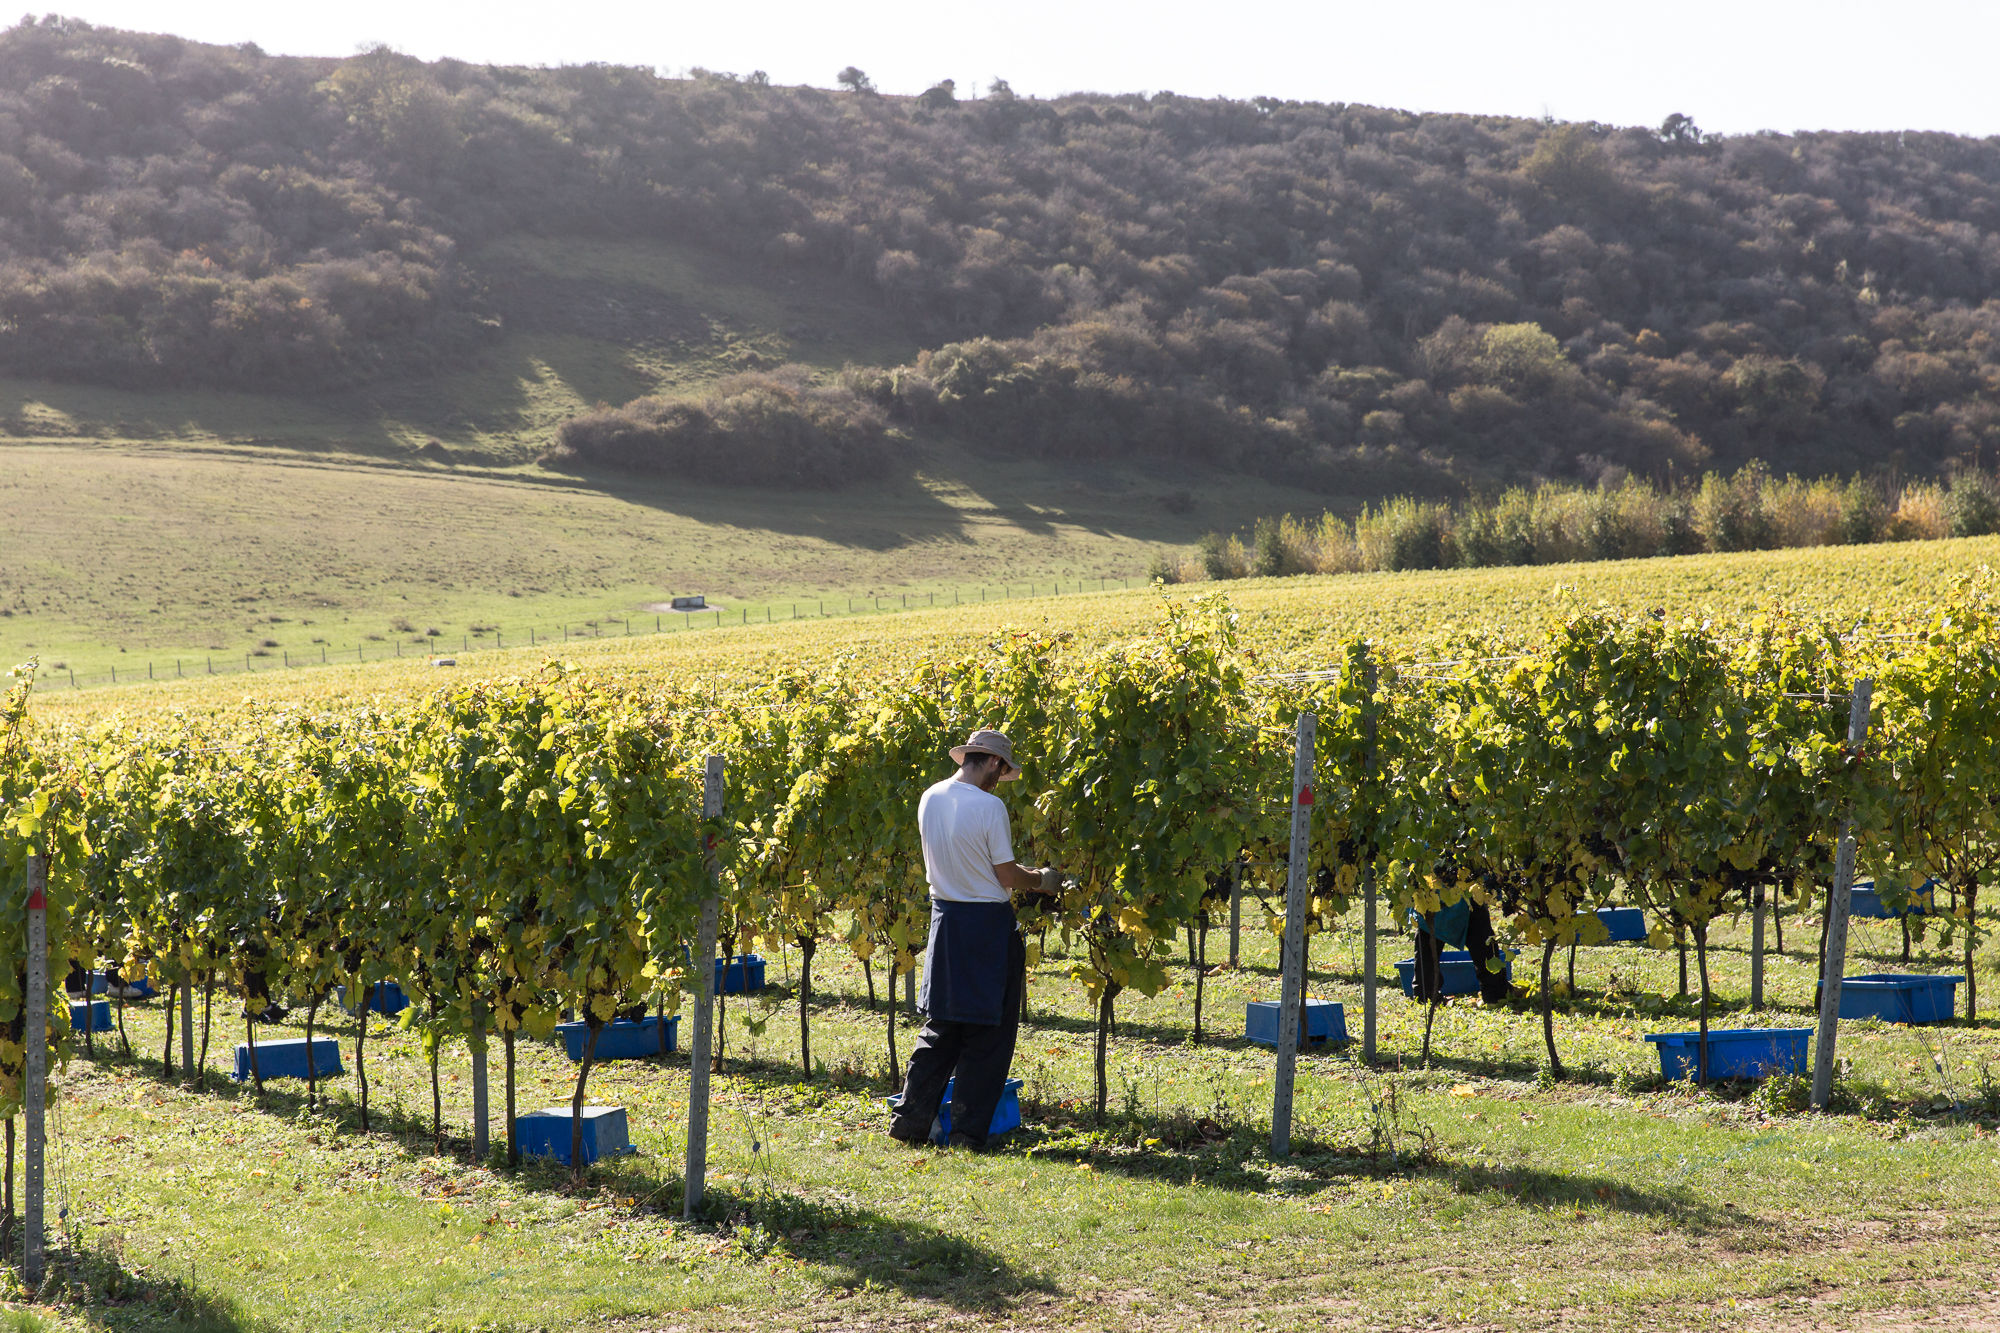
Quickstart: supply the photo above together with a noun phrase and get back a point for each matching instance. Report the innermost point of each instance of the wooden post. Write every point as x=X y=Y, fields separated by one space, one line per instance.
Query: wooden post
x=704 y=1010
x=480 y=1112
x=35 y=1032
x=1836 y=917
x=1292 y=996
x=1368 y=960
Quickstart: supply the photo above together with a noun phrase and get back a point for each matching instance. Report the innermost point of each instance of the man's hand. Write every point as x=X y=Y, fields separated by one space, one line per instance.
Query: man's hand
x=1051 y=881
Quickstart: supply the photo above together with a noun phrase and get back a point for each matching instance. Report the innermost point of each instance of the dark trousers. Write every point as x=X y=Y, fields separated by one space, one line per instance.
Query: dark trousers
x=1479 y=942
x=978 y=1054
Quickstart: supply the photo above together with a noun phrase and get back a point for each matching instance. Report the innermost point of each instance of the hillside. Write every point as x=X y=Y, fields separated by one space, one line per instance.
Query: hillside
x=386 y=256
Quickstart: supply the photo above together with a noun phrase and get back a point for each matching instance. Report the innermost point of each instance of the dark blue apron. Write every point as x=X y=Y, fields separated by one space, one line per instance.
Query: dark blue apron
x=965 y=963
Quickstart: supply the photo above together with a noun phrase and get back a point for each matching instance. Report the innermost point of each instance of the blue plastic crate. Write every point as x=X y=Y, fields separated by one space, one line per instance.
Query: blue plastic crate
x=287 y=1058
x=606 y=1133
x=384 y=997
x=1457 y=973
x=1626 y=924
x=1326 y=1023
x=97 y=1014
x=100 y=983
x=1006 y=1114
x=1865 y=900
x=734 y=976
x=1900 y=997
x=622 y=1039
x=1734 y=1052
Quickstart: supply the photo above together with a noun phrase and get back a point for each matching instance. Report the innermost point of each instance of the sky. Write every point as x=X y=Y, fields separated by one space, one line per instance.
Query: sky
x=1734 y=67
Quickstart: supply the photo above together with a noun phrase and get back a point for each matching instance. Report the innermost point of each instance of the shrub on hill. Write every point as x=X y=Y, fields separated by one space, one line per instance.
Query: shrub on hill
x=761 y=429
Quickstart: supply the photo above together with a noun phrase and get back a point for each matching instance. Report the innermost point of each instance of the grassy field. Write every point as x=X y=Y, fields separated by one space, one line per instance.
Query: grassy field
x=1469 y=1194
x=1286 y=621
x=117 y=557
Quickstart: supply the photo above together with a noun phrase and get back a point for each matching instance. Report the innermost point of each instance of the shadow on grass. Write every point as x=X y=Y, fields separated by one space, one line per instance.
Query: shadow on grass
x=1240 y=1161
x=861 y=1246
x=99 y=1286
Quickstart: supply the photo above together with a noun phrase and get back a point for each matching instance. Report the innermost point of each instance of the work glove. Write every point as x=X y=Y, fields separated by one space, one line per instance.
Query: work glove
x=1051 y=880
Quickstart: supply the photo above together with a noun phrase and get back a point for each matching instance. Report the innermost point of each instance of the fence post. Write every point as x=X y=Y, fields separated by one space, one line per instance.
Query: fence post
x=1368 y=961
x=1836 y=915
x=35 y=1033
x=1292 y=995
x=704 y=1011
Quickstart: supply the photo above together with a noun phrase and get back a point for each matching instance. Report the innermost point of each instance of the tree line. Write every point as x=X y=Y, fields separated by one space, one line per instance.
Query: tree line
x=1561 y=522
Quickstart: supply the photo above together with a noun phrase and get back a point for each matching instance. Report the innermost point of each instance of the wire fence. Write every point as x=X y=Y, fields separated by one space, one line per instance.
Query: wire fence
x=436 y=647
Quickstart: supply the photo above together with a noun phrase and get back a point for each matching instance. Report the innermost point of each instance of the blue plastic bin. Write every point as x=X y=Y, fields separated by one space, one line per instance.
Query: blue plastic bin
x=1006 y=1115
x=622 y=1039
x=100 y=983
x=606 y=1133
x=1626 y=924
x=287 y=1059
x=384 y=997
x=1457 y=973
x=97 y=1014
x=1900 y=997
x=1734 y=1052
x=1865 y=900
x=1326 y=1023
x=734 y=976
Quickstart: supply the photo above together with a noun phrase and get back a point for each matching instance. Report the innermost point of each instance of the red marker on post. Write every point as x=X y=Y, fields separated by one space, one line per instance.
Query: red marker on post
x=1305 y=796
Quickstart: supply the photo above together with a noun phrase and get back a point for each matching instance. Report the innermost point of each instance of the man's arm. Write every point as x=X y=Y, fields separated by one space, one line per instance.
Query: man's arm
x=1015 y=879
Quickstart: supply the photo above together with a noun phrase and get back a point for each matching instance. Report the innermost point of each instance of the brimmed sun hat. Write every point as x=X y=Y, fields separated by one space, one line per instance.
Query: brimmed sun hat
x=993 y=743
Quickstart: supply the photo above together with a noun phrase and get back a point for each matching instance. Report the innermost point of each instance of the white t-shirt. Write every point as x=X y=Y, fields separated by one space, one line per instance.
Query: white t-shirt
x=965 y=835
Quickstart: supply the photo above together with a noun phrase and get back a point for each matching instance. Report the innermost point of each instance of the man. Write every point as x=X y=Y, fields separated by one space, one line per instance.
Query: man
x=975 y=964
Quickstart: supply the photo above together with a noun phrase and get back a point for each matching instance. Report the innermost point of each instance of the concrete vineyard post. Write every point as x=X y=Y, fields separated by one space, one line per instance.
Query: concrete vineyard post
x=704 y=1009
x=35 y=1033
x=1368 y=961
x=187 y=1025
x=1293 y=991
x=1757 y=950
x=1235 y=910
x=480 y=1113
x=1836 y=916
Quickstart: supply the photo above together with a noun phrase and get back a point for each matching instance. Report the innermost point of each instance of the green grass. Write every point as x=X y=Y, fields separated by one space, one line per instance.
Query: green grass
x=119 y=556
x=1610 y=1202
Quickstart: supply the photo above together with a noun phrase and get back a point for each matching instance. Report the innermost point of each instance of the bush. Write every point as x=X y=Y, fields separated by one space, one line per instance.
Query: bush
x=1972 y=509
x=1728 y=512
x=1921 y=514
x=1222 y=557
x=771 y=429
x=1269 y=557
x=1403 y=534
x=1864 y=513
